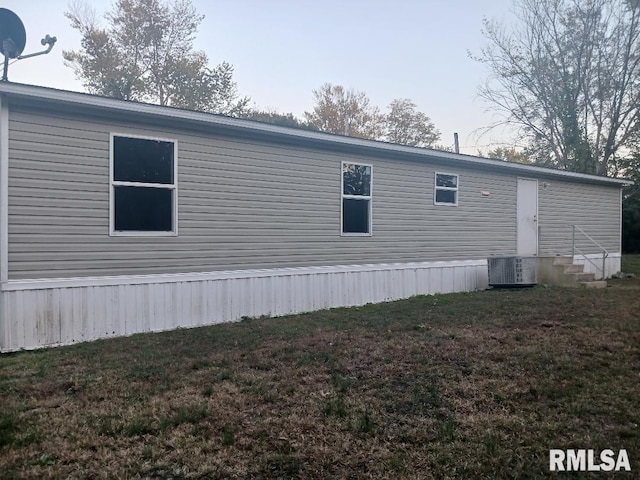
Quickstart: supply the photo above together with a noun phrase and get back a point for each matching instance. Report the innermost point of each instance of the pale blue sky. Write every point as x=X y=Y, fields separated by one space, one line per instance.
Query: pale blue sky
x=283 y=49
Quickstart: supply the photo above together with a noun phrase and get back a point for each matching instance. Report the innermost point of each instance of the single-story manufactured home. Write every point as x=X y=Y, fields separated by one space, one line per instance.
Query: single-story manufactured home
x=119 y=217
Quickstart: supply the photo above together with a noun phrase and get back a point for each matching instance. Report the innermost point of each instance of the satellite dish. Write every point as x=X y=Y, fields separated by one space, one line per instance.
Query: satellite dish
x=13 y=36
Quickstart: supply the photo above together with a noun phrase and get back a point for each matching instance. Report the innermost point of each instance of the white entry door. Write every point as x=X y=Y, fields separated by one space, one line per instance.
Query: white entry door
x=527 y=223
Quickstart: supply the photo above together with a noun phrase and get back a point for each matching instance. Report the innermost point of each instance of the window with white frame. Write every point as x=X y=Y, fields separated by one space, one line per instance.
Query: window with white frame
x=446 y=189
x=356 y=199
x=143 y=186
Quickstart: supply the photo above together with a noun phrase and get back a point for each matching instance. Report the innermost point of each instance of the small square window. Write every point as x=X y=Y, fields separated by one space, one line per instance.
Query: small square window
x=356 y=179
x=446 y=189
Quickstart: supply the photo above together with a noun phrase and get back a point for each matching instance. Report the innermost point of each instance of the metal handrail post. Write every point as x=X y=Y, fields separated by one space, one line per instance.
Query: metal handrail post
x=605 y=253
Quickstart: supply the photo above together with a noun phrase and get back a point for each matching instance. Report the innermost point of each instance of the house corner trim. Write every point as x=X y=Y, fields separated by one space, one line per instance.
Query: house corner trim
x=4 y=189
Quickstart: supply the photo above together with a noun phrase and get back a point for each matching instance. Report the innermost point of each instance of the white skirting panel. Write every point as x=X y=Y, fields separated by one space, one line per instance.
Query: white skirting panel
x=53 y=312
x=593 y=263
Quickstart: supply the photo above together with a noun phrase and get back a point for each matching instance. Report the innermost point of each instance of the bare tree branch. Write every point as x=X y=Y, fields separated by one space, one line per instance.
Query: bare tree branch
x=568 y=73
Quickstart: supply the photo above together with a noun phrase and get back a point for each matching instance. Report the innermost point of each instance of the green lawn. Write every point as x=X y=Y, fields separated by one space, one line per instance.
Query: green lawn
x=477 y=385
x=631 y=264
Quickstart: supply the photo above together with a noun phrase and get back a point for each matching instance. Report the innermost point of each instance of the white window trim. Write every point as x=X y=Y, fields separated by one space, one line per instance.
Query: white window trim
x=112 y=184
x=436 y=188
x=356 y=197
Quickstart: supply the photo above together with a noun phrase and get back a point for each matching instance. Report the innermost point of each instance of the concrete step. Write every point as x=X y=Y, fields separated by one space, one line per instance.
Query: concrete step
x=582 y=277
x=593 y=284
x=573 y=268
x=560 y=260
x=560 y=270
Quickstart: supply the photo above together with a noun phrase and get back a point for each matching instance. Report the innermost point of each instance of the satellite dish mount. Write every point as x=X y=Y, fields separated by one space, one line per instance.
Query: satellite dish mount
x=13 y=38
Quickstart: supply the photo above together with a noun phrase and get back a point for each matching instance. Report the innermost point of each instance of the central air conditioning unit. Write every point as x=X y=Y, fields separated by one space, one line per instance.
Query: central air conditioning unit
x=507 y=271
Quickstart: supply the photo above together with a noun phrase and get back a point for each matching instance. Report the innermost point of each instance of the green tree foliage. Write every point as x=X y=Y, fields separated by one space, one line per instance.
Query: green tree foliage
x=275 y=118
x=568 y=74
x=145 y=53
x=407 y=126
x=507 y=155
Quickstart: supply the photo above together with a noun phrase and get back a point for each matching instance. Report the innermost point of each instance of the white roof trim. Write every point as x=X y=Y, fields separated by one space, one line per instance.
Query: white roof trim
x=76 y=98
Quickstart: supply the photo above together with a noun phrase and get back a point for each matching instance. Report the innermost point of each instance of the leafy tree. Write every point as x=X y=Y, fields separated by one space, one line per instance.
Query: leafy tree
x=275 y=118
x=208 y=90
x=443 y=148
x=507 y=155
x=568 y=74
x=146 y=54
x=350 y=112
x=345 y=112
x=407 y=126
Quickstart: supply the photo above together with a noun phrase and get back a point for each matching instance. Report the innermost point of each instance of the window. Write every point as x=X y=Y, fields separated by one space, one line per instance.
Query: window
x=356 y=199
x=143 y=186
x=446 y=190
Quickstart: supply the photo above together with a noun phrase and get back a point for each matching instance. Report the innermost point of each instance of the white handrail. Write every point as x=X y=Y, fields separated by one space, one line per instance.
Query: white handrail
x=605 y=253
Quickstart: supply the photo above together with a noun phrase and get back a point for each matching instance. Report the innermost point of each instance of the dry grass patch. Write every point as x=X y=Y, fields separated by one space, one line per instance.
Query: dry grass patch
x=476 y=385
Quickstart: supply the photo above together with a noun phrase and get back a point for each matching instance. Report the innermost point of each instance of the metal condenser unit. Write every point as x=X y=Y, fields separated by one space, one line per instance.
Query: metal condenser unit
x=509 y=271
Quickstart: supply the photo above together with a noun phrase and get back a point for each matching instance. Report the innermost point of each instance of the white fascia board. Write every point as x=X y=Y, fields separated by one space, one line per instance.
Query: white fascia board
x=82 y=99
x=46 y=283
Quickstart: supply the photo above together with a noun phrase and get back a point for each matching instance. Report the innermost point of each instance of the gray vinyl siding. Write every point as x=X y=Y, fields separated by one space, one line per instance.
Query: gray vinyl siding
x=594 y=208
x=242 y=204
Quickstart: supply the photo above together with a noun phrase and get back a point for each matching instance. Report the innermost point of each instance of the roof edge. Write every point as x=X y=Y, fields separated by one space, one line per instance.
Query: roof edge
x=51 y=95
